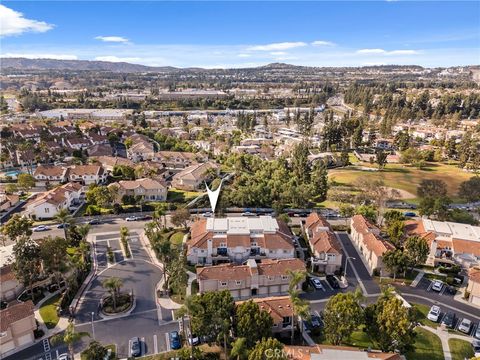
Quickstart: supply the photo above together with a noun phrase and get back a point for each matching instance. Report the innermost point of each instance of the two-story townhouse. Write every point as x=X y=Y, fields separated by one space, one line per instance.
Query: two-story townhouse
x=264 y=278
x=76 y=143
x=178 y=159
x=8 y=201
x=109 y=162
x=17 y=323
x=11 y=288
x=147 y=189
x=140 y=151
x=366 y=238
x=86 y=174
x=325 y=247
x=193 y=177
x=49 y=175
x=237 y=239
x=280 y=308
x=97 y=139
x=47 y=205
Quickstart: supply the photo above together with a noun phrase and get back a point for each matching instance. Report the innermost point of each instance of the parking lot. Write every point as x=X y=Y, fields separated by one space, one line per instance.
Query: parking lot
x=446 y=290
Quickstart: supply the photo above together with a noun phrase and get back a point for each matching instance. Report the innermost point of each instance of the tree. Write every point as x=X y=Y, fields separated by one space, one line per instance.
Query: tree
x=27 y=262
x=70 y=337
x=63 y=217
x=346 y=211
x=52 y=253
x=300 y=306
x=180 y=217
x=381 y=159
x=417 y=249
x=95 y=351
x=432 y=188
x=395 y=261
x=25 y=181
x=319 y=180
x=17 y=226
x=396 y=232
x=249 y=316
x=267 y=349
x=470 y=189
x=11 y=188
x=392 y=216
x=368 y=212
x=239 y=348
x=342 y=315
x=390 y=324
x=113 y=286
x=434 y=206
x=101 y=195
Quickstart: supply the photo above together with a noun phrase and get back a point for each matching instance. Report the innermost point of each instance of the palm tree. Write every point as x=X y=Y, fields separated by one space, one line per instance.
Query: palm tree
x=64 y=218
x=300 y=306
x=83 y=231
x=159 y=213
x=70 y=337
x=239 y=349
x=113 y=286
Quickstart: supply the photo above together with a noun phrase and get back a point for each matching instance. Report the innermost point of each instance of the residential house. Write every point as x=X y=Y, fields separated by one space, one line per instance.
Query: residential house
x=11 y=288
x=97 y=139
x=332 y=352
x=28 y=134
x=17 y=323
x=178 y=159
x=237 y=239
x=147 y=189
x=109 y=162
x=325 y=247
x=140 y=151
x=366 y=238
x=473 y=287
x=7 y=201
x=87 y=174
x=76 y=143
x=264 y=278
x=280 y=308
x=49 y=175
x=100 y=150
x=193 y=177
x=48 y=204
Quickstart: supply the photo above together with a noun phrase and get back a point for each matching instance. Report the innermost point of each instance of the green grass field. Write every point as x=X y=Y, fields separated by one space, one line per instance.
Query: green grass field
x=422 y=312
x=427 y=346
x=460 y=349
x=177 y=238
x=404 y=177
x=48 y=311
x=180 y=196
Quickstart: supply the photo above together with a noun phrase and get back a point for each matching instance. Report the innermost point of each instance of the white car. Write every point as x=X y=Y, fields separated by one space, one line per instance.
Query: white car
x=41 y=228
x=476 y=347
x=465 y=326
x=434 y=313
x=437 y=285
x=317 y=284
x=63 y=357
x=207 y=214
x=131 y=218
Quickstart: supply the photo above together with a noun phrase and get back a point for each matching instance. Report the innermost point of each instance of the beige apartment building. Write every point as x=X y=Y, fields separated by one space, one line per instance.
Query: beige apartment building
x=366 y=238
x=473 y=287
x=17 y=323
x=265 y=278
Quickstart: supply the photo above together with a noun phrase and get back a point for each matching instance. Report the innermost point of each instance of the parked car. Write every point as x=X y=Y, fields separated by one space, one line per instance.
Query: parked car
x=434 y=313
x=409 y=214
x=41 y=228
x=332 y=280
x=108 y=355
x=131 y=218
x=193 y=339
x=316 y=283
x=61 y=226
x=135 y=348
x=465 y=326
x=95 y=222
x=315 y=322
x=248 y=213
x=64 y=356
x=437 y=285
x=175 y=343
x=449 y=320
x=476 y=347
x=145 y=217
x=477 y=332
x=207 y=214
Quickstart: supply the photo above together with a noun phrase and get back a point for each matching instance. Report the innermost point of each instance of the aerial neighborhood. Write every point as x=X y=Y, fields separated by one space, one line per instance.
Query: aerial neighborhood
x=252 y=212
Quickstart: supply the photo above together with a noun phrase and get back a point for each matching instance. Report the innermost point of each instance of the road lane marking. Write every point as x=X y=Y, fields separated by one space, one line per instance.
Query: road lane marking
x=155 y=344
x=167 y=339
x=142 y=346
x=430 y=286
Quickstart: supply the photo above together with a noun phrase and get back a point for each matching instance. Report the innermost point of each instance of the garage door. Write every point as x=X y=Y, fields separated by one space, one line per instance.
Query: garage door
x=275 y=289
x=25 y=339
x=7 y=347
x=476 y=300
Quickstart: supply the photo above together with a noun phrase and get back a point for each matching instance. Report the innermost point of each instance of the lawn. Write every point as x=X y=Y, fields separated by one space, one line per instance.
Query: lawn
x=177 y=238
x=427 y=346
x=422 y=312
x=180 y=196
x=405 y=177
x=359 y=338
x=48 y=311
x=460 y=349
x=113 y=355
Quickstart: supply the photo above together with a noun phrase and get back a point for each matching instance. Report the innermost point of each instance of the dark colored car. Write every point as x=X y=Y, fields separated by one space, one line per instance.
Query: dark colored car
x=61 y=226
x=333 y=281
x=410 y=214
x=175 y=342
x=135 y=347
x=95 y=222
x=449 y=320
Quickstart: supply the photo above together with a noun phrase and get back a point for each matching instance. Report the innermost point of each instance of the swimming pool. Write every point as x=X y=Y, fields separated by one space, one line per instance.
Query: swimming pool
x=12 y=173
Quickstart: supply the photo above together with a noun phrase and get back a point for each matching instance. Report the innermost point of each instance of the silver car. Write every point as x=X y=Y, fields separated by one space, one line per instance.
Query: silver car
x=465 y=326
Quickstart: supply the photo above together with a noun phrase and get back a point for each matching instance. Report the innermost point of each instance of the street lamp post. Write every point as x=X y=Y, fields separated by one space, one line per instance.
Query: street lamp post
x=93 y=328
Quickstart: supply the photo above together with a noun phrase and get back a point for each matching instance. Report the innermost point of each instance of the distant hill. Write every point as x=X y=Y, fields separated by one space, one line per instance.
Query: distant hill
x=77 y=65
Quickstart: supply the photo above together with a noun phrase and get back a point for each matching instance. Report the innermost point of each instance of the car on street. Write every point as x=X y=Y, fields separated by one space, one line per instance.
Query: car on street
x=94 y=222
x=248 y=213
x=175 y=342
x=465 y=326
x=207 y=214
x=135 y=348
x=316 y=283
x=131 y=218
x=477 y=332
x=434 y=313
x=332 y=280
x=145 y=217
x=41 y=228
x=409 y=214
x=61 y=226
x=476 y=347
x=437 y=285
x=449 y=320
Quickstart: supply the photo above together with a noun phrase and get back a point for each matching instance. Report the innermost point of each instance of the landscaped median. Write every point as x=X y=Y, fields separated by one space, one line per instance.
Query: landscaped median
x=48 y=311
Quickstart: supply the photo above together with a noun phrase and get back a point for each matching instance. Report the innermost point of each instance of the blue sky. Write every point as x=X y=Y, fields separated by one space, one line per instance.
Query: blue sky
x=238 y=34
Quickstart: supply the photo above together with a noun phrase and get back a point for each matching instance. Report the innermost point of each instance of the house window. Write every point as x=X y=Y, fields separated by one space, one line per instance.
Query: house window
x=47 y=210
x=271 y=278
x=223 y=283
x=238 y=282
x=284 y=277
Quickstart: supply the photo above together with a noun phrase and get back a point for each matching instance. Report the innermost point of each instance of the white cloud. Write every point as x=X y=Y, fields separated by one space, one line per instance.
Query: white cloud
x=277 y=53
x=385 y=52
x=13 y=23
x=277 y=46
x=116 y=39
x=244 y=55
x=41 y=56
x=112 y=58
x=322 y=43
